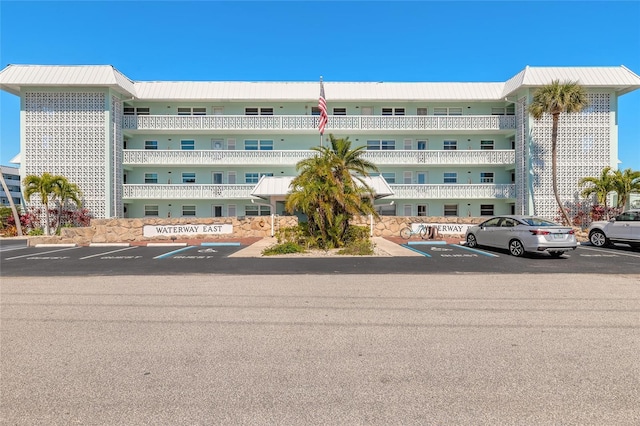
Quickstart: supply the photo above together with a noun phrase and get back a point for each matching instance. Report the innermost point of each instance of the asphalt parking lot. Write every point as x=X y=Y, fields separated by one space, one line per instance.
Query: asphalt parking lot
x=442 y=258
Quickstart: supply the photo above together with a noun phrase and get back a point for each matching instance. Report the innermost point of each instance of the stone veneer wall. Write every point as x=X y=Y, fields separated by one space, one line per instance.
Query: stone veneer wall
x=130 y=230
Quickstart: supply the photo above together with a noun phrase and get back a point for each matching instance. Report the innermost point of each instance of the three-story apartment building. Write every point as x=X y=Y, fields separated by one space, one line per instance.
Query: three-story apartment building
x=208 y=149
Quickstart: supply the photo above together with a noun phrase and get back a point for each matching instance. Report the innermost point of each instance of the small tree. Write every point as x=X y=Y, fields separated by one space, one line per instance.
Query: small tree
x=625 y=183
x=330 y=189
x=554 y=99
x=66 y=191
x=600 y=187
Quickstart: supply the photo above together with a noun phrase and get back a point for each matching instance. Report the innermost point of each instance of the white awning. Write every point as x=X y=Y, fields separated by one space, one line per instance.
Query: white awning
x=274 y=186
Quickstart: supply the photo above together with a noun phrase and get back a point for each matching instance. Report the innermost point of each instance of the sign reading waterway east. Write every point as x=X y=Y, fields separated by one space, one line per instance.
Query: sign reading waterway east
x=187 y=229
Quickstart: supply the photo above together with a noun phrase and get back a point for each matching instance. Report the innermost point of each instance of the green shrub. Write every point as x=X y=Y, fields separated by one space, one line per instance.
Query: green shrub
x=36 y=232
x=283 y=248
x=358 y=248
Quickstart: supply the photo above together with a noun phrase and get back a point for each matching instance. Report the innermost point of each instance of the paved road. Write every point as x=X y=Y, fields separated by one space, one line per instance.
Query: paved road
x=321 y=349
x=433 y=258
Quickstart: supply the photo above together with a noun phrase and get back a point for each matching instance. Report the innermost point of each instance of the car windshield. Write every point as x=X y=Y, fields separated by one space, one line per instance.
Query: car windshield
x=536 y=221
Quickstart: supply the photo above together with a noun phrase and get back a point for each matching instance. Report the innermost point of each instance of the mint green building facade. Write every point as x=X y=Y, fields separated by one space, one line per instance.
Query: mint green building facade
x=205 y=149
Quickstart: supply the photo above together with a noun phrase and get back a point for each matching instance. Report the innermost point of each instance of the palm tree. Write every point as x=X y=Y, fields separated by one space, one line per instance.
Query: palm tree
x=599 y=186
x=45 y=186
x=14 y=211
x=330 y=189
x=625 y=183
x=555 y=99
x=66 y=191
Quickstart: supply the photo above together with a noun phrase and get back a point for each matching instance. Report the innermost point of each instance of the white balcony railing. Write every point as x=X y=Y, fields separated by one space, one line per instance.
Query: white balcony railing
x=454 y=191
x=243 y=191
x=291 y=157
x=187 y=191
x=310 y=123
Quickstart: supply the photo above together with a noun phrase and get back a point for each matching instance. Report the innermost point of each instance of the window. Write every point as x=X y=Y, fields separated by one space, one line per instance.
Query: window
x=451 y=210
x=486 y=177
x=389 y=177
x=258 y=111
x=150 y=178
x=188 y=177
x=150 y=144
x=421 y=111
x=422 y=209
x=392 y=111
x=136 y=111
x=421 y=145
x=450 y=177
x=254 y=210
x=258 y=145
x=339 y=111
x=407 y=209
x=187 y=145
x=315 y=111
x=377 y=145
x=192 y=111
x=486 y=209
x=447 y=111
x=254 y=177
x=450 y=145
x=486 y=144
x=231 y=210
x=510 y=110
x=151 y=210
x=217 y=110
x=188 y=210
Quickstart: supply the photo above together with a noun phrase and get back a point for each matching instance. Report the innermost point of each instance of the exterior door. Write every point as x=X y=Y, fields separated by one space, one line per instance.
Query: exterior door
x=216 y=211
x=216 y=178
x=421 y=178
x=217 y=144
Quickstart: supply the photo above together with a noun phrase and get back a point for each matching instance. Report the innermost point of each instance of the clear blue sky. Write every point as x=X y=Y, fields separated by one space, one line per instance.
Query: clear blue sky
x=340 y=40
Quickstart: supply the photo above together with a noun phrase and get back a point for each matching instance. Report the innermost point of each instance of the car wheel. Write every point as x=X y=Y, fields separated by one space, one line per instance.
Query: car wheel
x=516 y=248
x=598 y=239
x=471 y=241
x=556 y=253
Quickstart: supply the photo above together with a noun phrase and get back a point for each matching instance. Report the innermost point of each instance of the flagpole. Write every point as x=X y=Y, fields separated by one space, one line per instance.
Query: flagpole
x=321 y=94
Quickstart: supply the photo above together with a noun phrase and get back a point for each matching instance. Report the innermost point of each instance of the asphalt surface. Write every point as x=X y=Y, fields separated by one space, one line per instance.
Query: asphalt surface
x=375 y=349
x=19 y=260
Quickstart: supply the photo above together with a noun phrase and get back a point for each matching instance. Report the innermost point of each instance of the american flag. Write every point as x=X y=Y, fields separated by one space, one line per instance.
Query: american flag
x=322 y=106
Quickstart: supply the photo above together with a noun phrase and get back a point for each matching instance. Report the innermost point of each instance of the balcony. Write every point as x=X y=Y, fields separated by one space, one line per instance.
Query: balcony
x=309 y=123
x=243 y=191
x=454 y=191
x=291 y=157
x=187 y=192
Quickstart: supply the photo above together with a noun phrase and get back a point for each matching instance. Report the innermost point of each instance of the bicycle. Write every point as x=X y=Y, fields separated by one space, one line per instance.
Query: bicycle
x=408 y=231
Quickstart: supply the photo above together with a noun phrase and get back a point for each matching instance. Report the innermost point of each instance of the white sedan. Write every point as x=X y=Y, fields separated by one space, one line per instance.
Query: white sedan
x=521 y=234
x=624 y=228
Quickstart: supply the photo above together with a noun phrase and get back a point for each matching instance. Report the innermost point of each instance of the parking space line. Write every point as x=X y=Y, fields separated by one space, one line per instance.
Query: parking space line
x=173 y=252
x=45 y=252
x=416 y=250
x=621 y=253
x=417 y=243
x=3 y=249
x=484 y=253
x=220 y=244
x=109 y=252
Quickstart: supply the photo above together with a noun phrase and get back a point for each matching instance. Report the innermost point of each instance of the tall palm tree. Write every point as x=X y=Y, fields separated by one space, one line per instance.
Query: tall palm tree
x=14 y=211
x=330 y=189
x=599 y=186
x=44 y=186
x=66 y=191
x=625 y=183
x=555 y=99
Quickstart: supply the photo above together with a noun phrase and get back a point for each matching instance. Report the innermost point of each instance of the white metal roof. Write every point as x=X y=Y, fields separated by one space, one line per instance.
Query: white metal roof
x=619 y=78
x=309 y=91
x=270 y=186
x=14 y=77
